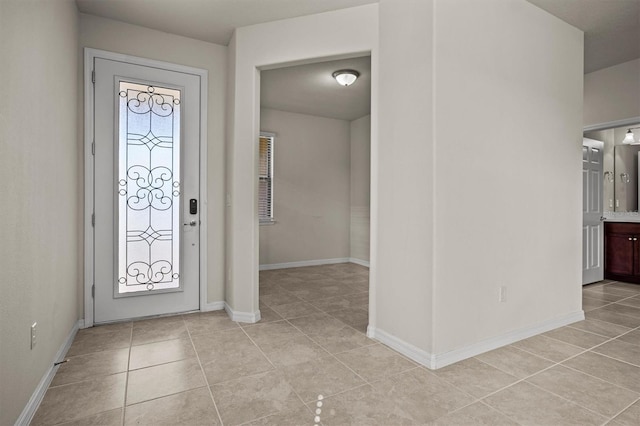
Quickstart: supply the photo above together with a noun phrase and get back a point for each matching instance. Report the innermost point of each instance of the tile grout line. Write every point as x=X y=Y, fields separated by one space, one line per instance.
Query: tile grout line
x=548 y=368
x=274 y=369
x=626 y=408
x=126 y=381
x=330 y=354
x=206 y=380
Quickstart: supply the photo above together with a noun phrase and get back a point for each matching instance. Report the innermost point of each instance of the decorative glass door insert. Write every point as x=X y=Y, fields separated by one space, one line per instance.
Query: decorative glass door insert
x=148 y=189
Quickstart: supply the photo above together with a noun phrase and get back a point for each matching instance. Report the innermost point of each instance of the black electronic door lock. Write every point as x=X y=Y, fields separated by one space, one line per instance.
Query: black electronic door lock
x=193 y=206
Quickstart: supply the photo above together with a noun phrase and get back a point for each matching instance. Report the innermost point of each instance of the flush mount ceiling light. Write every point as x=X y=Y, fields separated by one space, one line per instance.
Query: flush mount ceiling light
x=629 y=137
x=346 y=77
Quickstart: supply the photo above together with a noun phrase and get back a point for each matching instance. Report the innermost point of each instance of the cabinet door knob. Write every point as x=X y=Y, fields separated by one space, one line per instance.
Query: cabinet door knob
x=630 y=239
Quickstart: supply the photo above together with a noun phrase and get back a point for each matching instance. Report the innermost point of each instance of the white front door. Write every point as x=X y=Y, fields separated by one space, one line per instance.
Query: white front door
x=146 y=164
x=592 y=228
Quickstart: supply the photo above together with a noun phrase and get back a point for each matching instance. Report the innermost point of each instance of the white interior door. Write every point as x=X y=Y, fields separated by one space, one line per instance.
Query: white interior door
x=146 y=163
x=592 y=227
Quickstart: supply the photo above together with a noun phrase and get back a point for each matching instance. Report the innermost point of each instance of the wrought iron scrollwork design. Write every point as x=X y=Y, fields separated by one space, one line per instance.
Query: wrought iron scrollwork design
x=148 y=186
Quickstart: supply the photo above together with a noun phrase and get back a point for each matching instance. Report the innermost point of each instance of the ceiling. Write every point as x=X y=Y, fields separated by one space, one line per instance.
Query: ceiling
x=208 y=20
x=612 y=36
x=311 y=89
x=611 y=27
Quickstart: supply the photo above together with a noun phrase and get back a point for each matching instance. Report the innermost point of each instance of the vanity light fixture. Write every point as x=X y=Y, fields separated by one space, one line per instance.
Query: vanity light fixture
x=346 y=77
x=629 y=137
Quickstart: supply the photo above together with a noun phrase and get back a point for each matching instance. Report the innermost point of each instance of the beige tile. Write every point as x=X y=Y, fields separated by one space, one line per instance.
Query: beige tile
x=336 y=303
x=422 y=395
x=602 y=328
x=228 y=365
x=317 y=323
x=529 y=405
x=356 y=318
x=631 y=301
x=251 y=398
x=375 y=362
x=608 y=290
x=279 y=298
x=548 y=348
x=214 y=345
x=295 y=310
x=514 y=361
x=160 y=353
x=82 y=399
x=475 y=414
x=292 y=351
x=272 y=332
x=300 y=416
x=475 y=377
x=608 y=369
x=91 y=341
x=630 y=416
x=205 y=322
x=607 y=315
x=589 y=304
x=362 y=406
x=325 y=376
x=94 y=364
x=621 y=350
x=342 y=339
x=358 y=287
x=605 y=296
x=576 y=337
x=162 y=380
x=624 y=287
x=623 y=309
x=586 y=391
x=631 y=337
x=193 y=407
x=106 y=328
x=268 y=315
x=106 y=418
x=159 y=329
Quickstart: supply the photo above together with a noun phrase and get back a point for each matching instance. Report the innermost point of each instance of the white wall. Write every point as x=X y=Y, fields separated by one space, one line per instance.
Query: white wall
x=612 y=93
x=311 y=188
x=507 y=199
x=275 y=43
x=115 y=36
x=360 y=135
x=405 y=174
x=39 y=171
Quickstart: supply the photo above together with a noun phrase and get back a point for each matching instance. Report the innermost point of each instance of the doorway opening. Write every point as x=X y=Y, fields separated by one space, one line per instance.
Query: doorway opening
x=314 y=198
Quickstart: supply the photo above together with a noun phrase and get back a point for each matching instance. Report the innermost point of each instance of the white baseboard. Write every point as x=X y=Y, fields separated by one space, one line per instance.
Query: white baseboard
x=248 y=317
x=303 y=263
x=213 y=306
x=412 y=352
x=359 y=261
x=36 y=398
x=317 y=262
x=435 y=361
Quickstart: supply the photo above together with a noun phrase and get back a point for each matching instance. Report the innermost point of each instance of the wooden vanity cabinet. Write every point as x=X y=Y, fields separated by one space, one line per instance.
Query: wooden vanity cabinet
x=622 y=251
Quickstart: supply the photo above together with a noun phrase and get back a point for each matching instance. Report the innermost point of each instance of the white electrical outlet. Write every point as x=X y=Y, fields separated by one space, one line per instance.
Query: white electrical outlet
x=33 y=334
x=502 y=294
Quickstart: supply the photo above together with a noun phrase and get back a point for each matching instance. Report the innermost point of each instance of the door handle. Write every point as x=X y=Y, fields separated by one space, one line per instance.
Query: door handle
x=194 y=223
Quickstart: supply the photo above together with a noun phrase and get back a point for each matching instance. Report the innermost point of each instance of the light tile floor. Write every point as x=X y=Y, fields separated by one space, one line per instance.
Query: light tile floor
x=205 y=369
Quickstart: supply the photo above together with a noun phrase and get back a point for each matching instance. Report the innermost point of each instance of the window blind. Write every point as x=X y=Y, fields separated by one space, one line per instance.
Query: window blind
x=265 y=190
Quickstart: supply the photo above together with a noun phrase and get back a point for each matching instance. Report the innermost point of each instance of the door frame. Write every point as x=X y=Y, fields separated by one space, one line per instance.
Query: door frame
x=89 y=56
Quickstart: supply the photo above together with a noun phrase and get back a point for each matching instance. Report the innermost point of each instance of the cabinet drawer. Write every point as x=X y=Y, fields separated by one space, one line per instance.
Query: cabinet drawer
x=621 y=228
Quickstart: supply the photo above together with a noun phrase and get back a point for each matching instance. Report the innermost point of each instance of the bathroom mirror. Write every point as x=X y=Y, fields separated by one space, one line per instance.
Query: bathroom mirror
x=620 y=169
